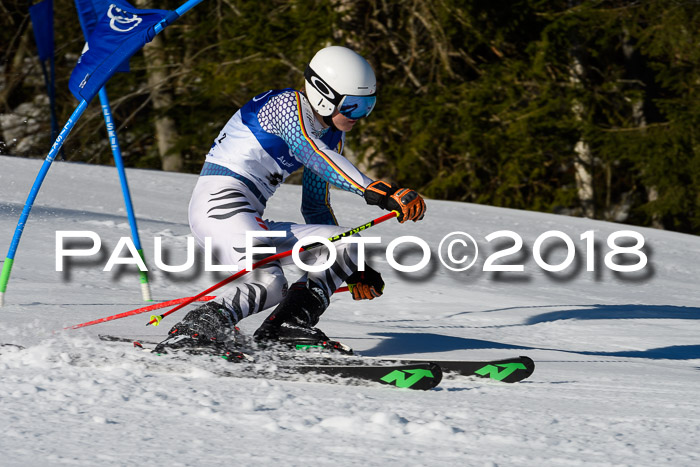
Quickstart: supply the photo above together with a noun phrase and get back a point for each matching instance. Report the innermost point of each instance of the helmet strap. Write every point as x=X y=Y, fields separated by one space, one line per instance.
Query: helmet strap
x=328 y=120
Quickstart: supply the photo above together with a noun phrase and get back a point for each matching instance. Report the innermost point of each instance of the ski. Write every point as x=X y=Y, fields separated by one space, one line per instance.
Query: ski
x=422 y=376
x=510 y=370
x=419 y=375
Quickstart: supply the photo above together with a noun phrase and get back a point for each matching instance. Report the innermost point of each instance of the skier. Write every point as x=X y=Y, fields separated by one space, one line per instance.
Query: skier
x=274 y=134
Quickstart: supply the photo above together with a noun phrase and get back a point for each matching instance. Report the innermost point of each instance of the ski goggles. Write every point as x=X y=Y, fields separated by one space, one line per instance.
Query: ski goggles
x=356 y=107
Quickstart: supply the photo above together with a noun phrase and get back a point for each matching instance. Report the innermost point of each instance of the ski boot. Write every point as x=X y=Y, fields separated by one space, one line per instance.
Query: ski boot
x=208 y=329
x=292 y=322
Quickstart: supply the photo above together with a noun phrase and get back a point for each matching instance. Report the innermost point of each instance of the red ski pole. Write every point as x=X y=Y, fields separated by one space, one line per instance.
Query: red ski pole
x=156 y=319
x=156 y=306
x=137 y=311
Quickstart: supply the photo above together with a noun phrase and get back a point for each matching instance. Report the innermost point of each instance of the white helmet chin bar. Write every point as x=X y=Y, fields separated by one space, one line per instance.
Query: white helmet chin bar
x=336 y=72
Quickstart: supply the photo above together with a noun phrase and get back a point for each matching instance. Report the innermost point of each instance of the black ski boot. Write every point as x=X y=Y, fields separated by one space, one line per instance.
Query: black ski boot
x=293 y=320
x=208 y=329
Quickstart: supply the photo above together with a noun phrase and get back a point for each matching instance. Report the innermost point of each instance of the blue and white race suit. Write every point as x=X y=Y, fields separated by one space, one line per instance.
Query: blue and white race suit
x=269 y=138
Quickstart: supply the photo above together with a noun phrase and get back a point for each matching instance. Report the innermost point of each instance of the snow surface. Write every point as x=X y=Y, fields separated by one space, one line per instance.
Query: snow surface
x=617 y=354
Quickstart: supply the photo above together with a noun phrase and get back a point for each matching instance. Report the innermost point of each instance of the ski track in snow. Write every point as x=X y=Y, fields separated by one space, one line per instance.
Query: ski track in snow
x=618 y=360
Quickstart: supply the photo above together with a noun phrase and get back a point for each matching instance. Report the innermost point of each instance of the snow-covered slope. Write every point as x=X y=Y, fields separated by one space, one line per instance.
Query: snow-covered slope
x=617 y=354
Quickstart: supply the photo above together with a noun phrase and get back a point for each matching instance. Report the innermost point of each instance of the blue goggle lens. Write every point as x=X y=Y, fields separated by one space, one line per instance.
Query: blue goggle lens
x=354 y=107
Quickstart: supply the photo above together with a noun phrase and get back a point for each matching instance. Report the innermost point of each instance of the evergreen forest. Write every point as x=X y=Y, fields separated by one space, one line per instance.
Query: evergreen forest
x=585 y=108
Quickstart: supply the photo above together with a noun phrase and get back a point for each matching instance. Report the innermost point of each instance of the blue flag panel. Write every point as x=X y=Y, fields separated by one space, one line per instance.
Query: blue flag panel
x=42 y=23
x=89 y=12
x=119 y=33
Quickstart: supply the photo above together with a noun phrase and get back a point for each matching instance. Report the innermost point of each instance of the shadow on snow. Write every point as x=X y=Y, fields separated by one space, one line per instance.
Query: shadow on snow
x=619 y=312
x=403 y=343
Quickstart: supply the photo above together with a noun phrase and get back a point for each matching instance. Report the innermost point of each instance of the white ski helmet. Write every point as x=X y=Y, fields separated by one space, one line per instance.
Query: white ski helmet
x=339 y=78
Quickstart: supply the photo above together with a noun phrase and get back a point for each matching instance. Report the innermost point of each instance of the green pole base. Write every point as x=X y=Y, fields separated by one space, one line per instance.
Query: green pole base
x=4 y=278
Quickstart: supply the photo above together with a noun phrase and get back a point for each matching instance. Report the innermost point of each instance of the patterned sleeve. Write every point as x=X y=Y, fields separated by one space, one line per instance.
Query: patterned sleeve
x=287 y=117
x=316 y=200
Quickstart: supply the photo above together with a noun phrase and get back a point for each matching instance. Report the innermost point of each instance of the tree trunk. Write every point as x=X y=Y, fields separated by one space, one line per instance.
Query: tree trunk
x=165 y=130
x=584 y=178
x=583 y=164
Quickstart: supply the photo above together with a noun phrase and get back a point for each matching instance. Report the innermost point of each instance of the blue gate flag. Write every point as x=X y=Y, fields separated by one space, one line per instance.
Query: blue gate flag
x=89 y=12
x=42 y=23
x=119 y=33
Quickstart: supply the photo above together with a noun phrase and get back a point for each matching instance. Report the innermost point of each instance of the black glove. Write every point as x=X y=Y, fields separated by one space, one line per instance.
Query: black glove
x=408 y=203
x=365 y=285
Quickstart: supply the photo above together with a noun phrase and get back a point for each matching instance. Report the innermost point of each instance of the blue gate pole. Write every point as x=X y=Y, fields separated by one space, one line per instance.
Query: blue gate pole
x=119 y=163
x=7 y=265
